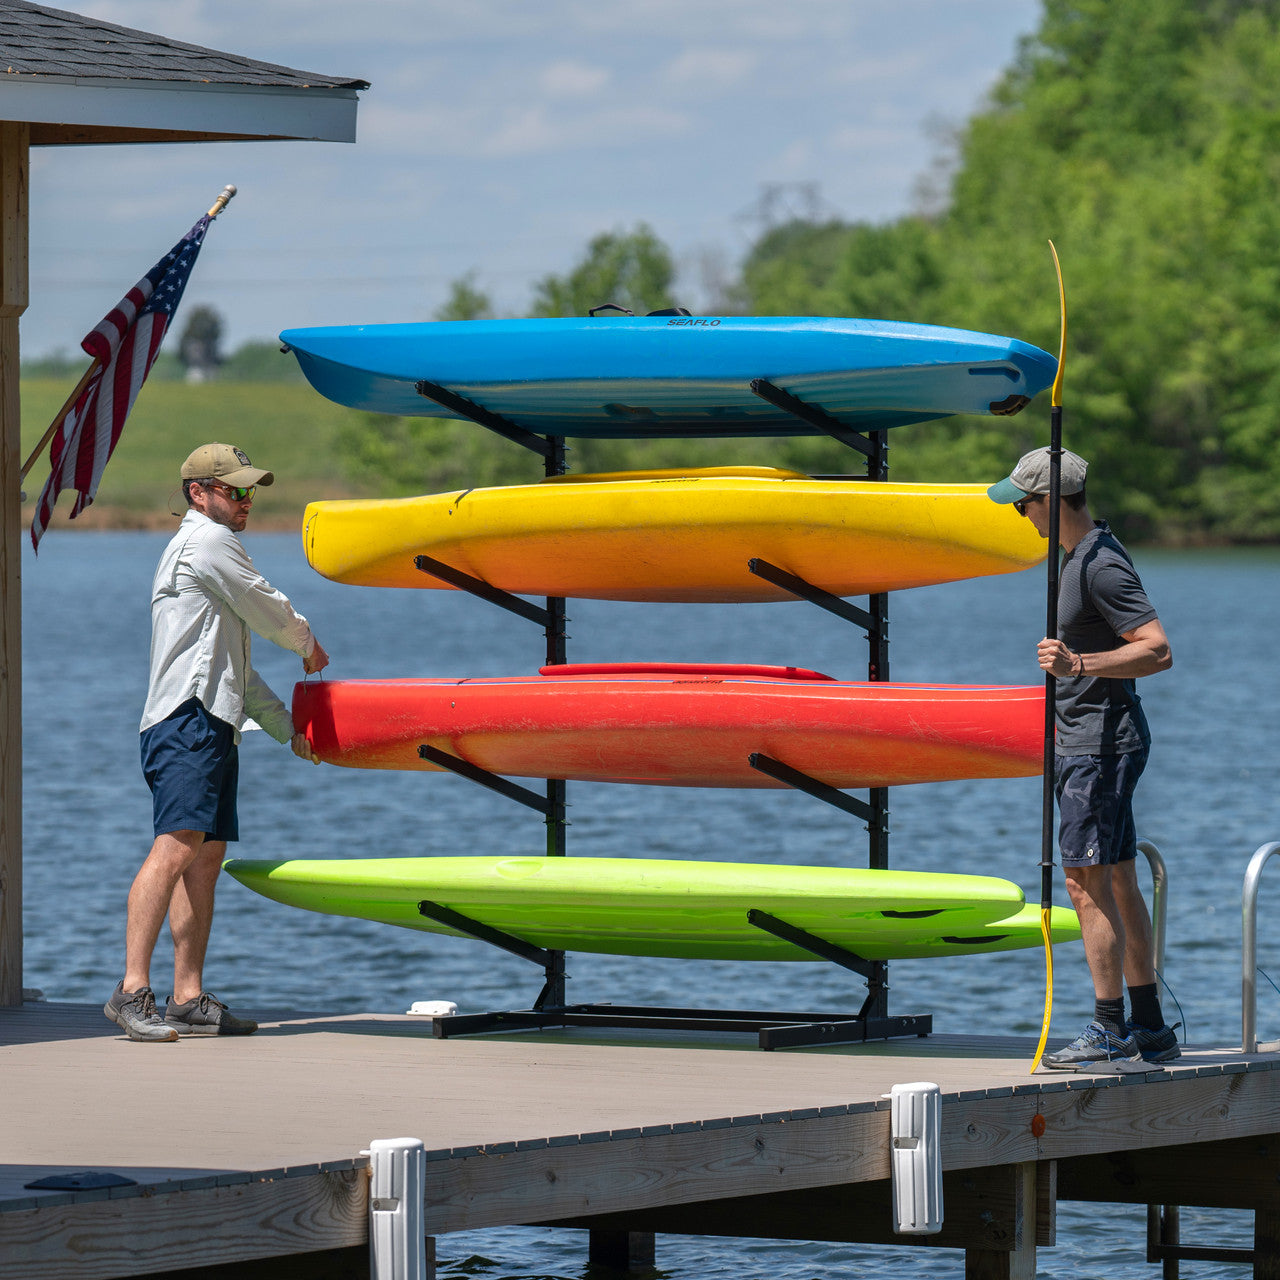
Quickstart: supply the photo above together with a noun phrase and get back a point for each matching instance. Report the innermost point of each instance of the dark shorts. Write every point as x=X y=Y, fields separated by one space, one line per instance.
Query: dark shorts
x=1095 y=807
x=191 y=764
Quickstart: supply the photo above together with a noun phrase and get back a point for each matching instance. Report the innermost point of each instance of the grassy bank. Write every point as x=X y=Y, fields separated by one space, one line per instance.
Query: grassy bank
x=289 y=429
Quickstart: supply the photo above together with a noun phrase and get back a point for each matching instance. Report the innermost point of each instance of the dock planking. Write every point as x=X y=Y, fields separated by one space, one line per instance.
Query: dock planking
x=615 y=1131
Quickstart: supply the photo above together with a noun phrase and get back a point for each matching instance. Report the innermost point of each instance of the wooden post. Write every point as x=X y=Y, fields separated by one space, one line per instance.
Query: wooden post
x=14 y=147
x=1020 y=1262
x=621 y=1250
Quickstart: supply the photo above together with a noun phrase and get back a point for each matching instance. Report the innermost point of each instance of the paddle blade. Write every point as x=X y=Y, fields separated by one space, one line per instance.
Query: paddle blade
x=1062 y=328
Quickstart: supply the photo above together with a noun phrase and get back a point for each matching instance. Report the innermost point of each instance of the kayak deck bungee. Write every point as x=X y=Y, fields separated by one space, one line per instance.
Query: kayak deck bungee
x=653 y=907
x=649 y=376
x=691 y=727
x=682 y=536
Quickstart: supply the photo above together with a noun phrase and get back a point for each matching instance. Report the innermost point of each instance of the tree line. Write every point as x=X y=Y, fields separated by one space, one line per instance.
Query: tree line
x=1143 y=137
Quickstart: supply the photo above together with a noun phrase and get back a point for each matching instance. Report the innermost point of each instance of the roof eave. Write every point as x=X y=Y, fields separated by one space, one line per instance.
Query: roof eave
x=78 y=111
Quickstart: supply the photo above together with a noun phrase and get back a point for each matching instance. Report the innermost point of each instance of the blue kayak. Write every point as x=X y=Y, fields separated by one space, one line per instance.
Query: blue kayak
x=648 y=376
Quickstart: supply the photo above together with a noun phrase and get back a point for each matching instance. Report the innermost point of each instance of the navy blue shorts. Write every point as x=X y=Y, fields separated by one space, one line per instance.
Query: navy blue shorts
x=191 y=764
x=1095 y=807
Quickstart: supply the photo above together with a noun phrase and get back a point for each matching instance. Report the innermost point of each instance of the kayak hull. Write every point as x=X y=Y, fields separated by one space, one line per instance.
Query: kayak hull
x=676 y=536
x=652 y=376
x=653 y=907
x=685 y=728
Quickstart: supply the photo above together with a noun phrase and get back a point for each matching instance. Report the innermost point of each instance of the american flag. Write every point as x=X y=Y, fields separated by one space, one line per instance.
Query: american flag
x=125 y=345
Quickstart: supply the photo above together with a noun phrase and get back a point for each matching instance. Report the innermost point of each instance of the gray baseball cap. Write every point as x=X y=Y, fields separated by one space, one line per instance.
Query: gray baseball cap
x=1031 y=476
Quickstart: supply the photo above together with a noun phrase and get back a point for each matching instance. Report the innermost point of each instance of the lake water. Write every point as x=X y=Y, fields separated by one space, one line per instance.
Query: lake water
x=1209 y=799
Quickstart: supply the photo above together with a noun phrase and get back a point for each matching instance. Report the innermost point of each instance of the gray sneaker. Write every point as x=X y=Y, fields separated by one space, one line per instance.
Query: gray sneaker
x=206 y=1015
x=1160 y=1045
x=135 y=1012
x=1095 y=1045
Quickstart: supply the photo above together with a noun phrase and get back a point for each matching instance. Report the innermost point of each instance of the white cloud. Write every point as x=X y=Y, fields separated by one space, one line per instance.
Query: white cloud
x=712 y=69
x=537 y=129
x=569 y=79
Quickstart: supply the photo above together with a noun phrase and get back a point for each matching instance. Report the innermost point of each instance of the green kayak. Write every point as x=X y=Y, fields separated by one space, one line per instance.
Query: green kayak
x=650 y=907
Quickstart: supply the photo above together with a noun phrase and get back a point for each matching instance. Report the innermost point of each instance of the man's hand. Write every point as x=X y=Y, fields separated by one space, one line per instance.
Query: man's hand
x=303 y=749
x=1055 y=658
x=316 y=661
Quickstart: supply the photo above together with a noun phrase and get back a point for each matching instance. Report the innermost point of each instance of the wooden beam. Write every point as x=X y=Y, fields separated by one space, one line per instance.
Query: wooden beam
x=147 y=1235
x=562 y=1182
x=994 y=1210
x=1085 y=1120
x=351 y=1263
x=1240 y=1174
x=14 y=151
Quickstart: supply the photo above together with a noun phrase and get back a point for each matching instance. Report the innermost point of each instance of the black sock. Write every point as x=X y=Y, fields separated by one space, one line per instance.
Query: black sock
x=1145 y=1004
x=1111 y=1014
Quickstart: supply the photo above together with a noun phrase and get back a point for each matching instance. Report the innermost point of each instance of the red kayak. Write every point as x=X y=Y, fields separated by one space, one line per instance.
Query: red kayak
x=680 y=725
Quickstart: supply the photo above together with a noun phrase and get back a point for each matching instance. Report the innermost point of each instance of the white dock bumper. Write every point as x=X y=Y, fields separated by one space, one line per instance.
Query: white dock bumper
x=397 y=1231
x=916 y=1117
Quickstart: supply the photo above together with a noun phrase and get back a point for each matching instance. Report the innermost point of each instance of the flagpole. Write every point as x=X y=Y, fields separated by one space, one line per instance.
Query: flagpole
x=224 y=198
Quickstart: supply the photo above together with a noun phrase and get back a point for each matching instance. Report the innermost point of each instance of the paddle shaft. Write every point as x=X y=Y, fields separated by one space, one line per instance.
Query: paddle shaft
x=1051 y=631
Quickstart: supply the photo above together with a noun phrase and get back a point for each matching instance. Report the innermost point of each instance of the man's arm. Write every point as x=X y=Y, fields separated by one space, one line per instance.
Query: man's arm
x=1144 y=652
x=221 y=563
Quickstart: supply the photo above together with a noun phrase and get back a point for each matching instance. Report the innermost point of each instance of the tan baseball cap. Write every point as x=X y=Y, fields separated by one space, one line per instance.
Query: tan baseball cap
x=226 y=463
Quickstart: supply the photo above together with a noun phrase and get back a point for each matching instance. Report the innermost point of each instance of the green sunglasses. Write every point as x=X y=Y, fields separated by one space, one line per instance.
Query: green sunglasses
x=236 y=495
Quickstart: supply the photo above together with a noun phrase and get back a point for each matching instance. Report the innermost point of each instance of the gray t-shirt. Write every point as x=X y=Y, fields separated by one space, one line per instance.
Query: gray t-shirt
x=1100 y=597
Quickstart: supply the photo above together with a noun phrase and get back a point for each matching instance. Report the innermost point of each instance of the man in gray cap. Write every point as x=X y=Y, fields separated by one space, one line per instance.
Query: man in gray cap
x=205 y=600
x=1108 y=636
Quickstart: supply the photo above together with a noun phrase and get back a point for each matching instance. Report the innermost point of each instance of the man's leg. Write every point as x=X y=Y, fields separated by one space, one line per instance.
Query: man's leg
x=1101 y=927
x=150 y=897
x=191 y=918
x=1139 y=945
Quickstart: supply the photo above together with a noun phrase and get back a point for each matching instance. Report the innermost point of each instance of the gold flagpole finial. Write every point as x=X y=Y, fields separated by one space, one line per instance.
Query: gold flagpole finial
x=223 y=200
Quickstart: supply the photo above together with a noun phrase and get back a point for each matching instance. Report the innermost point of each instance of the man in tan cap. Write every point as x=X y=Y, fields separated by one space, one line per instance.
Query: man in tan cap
x=1108 y=637
x=205 y=600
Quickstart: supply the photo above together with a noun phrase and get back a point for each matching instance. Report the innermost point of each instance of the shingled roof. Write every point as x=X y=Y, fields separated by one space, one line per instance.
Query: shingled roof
x=36 y=40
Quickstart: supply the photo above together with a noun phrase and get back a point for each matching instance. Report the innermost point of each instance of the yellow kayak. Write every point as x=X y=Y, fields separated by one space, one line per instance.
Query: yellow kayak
x=676 y=535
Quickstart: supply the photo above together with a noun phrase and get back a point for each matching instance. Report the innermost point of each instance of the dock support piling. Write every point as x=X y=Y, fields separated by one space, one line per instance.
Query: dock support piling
x=1018 y=1263
x=621 y=1250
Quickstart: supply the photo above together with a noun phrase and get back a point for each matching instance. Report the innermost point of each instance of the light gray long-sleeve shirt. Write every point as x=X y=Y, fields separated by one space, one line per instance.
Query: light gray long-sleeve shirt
x=205 y=600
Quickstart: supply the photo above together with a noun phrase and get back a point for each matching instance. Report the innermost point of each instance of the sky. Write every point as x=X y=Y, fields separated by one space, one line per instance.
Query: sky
x=500 y=136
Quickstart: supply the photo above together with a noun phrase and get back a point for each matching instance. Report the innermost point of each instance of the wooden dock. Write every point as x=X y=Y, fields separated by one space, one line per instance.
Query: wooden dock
x=250 y=1149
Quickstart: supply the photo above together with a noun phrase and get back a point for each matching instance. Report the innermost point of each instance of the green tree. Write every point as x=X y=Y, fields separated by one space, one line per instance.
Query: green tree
x=465 y=301
x=199 y=347
x=633 y=269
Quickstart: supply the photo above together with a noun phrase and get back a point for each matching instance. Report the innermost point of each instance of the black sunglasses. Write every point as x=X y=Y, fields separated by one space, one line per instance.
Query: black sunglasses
x=1021 y=505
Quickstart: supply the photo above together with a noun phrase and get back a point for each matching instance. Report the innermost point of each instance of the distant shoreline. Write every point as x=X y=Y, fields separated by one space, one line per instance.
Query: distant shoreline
x=103 y=518
x=108 y=519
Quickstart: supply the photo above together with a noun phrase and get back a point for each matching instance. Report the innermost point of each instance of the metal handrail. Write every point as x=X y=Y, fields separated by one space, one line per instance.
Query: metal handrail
x=1249 y=954
x=1159 y=900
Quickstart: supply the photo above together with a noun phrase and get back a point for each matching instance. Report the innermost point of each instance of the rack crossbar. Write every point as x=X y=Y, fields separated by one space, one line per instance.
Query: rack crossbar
x=478 y=587
x=484 y=932
x=812 y=786
x=811 y=414
x=484 y=417
x=815 y=595
x=495 y=782
x=811 y=942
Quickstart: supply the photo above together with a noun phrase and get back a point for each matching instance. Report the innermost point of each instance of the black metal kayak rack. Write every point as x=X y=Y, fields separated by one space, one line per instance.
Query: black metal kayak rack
x=774 y=1029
